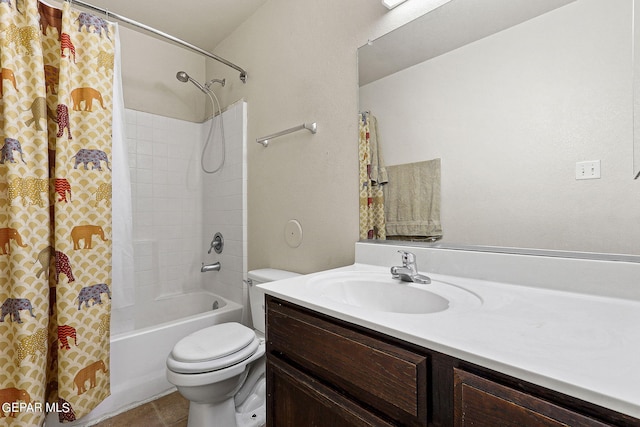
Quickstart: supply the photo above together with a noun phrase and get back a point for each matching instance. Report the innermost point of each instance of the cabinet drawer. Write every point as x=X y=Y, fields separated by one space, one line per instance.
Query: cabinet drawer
x=299 y=400
x=480 y=402
x=381 y=375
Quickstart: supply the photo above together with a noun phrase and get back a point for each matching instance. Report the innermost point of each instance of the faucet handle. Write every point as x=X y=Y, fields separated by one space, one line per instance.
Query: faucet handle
x=216 y=244
x=407 y=258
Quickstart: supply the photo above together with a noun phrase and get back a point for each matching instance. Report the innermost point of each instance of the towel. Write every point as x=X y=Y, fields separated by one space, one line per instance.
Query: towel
x=412 y=200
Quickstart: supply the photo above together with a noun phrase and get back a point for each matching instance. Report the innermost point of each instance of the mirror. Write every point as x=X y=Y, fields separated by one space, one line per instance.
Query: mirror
x=513 y=96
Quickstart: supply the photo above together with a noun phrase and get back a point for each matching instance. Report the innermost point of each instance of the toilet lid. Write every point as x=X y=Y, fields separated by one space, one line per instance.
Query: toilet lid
x=213 y=348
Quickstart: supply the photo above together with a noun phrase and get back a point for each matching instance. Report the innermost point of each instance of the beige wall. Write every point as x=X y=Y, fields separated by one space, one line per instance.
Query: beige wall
x=149 y=68
x=301 y=57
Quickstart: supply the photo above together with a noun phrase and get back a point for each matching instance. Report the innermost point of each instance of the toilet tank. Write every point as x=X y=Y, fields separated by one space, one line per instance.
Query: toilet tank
x=256 y=295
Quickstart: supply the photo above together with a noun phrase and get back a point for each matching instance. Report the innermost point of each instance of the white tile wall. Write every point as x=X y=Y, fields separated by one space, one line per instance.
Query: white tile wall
x=224 y=195
x=177 y=208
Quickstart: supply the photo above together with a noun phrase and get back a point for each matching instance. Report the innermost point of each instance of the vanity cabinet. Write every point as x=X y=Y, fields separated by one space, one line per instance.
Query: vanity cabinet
x=322 y=371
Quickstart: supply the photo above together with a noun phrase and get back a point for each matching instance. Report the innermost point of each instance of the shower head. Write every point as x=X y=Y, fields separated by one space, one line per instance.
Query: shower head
x=184 y=77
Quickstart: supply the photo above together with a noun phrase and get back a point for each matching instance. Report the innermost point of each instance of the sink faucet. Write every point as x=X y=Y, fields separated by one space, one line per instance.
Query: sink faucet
x=409 y=270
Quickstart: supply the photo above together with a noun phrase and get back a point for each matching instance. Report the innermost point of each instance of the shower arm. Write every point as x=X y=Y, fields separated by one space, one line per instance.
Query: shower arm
x=243 y=73
x=211 y=82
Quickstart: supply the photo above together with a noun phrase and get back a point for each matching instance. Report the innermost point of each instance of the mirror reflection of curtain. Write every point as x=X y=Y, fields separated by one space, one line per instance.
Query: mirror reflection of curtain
x=373 y=176
x=55 y=213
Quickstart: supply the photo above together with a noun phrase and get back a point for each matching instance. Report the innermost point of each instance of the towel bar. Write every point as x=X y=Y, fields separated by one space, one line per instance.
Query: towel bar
x=311 y=127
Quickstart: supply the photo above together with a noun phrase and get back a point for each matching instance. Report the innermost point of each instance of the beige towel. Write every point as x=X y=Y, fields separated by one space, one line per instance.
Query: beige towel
x=412 y=199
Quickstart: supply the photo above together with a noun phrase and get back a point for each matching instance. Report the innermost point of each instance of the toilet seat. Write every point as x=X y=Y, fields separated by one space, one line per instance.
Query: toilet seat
x=213 y=348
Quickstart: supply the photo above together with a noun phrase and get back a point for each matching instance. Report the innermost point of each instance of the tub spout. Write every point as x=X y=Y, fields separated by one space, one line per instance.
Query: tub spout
x=210 y=267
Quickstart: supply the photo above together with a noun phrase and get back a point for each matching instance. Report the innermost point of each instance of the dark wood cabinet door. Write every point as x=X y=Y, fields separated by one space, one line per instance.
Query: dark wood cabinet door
x=480 y=402
x=381 y=375
x=295 y=400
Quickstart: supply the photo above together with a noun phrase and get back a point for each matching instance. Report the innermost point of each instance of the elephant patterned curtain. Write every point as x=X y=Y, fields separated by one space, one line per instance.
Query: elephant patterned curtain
x=56 y=96
x=373 y=176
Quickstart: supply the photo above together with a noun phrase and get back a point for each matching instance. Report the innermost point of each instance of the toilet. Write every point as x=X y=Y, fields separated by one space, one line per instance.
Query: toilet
x=221 y=369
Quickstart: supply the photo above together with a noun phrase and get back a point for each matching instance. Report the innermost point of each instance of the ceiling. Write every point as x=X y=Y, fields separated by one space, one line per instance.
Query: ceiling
x=203 y=23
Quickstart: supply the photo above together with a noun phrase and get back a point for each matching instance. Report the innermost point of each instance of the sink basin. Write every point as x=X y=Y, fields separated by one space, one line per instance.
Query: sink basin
x=380 y=292
x=390 y=297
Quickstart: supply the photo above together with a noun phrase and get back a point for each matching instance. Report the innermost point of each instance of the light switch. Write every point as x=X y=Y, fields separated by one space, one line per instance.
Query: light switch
x=588 y=170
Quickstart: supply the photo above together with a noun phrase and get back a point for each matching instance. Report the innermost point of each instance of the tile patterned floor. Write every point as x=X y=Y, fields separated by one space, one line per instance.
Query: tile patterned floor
x=168 y=411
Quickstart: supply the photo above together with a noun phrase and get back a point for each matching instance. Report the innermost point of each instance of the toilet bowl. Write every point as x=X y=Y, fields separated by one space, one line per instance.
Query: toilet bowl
x=221 y=369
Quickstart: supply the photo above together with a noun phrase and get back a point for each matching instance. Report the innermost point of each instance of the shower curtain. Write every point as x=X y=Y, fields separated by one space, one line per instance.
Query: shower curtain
x=372 y=176
x=56 y=100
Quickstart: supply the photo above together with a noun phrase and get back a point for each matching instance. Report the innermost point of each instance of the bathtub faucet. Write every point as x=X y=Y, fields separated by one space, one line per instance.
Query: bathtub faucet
x=210 y=267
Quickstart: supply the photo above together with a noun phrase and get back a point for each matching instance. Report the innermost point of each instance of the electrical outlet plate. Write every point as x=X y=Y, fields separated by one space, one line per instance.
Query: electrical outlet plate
x=588 y=170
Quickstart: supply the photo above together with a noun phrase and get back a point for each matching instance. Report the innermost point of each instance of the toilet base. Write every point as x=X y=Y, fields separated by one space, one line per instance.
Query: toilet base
x=221 y=414
x=255 y=418
x=252 y=412
x=224 y=414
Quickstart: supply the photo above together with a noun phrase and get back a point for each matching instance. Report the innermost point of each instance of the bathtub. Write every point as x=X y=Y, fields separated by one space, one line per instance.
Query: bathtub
x=138 y=357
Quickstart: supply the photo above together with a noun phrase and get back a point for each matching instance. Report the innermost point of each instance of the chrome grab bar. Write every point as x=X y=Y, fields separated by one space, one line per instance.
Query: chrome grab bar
x=311 y=127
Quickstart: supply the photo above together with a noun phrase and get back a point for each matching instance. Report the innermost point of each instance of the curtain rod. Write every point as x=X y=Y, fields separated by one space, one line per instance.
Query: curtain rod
x=243 y=73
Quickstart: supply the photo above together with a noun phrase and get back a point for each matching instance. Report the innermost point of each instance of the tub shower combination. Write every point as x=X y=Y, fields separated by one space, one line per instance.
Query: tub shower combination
x=138 y=357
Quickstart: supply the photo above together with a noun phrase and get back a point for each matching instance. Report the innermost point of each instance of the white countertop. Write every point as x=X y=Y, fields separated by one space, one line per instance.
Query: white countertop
x=581 y=345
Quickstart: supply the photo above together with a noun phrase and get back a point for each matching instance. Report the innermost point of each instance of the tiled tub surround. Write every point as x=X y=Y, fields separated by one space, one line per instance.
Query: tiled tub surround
x=566 y=324
x=177 y=209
